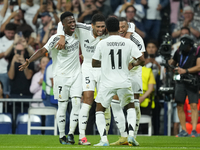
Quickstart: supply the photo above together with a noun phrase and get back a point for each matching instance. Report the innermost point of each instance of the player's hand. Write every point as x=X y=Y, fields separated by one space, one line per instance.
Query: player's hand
x=61 y=43
x=24 y=65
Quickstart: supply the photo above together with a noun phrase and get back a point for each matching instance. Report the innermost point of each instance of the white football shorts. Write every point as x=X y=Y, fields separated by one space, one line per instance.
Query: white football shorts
x=91 y=78
x=65 y=87
x=136 y=82
x=105 y=95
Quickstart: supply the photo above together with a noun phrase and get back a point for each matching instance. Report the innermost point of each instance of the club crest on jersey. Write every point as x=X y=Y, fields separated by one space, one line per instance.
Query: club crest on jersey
x=76 y=37
x=60 y=97
x=100 y=39
x=87 y=86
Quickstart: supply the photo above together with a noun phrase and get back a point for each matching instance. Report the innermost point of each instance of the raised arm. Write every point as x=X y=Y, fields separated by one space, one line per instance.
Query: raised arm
x=41 y=52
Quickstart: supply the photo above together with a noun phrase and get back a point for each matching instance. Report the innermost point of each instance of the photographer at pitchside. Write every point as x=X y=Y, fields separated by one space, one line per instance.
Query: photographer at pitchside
x=187 y=62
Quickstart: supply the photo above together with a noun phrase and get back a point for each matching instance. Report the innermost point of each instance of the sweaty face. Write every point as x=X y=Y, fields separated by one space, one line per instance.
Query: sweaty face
x=69 y=25
x=123 y=27
x=151 y=48
x=99 y=28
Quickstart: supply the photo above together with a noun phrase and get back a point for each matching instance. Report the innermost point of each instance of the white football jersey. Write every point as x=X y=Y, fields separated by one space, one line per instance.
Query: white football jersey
x=66 y=61
x=114 y=53
x=88 y=41
x=137 y=39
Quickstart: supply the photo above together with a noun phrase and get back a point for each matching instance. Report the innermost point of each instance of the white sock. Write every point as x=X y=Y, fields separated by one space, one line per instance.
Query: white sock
x=76 y=101
x=138 y=116
x=101 y=125
x=83 y=118
x=61 y=117
x=131 y=119
x=107 y=115
x=119 y=117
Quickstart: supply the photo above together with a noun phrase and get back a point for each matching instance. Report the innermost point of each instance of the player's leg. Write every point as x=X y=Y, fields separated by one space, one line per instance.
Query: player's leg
x=88 y=84
x=119 y=120
x=107 y=115
x=75 y=94
x=88 y=98
x=131 y=119
x=103 y=101
x=138 y=113
x=61 y=93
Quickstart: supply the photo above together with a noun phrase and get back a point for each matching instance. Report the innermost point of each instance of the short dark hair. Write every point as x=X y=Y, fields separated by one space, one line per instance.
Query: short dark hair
x=11 y=26
x=186 y=28
x=65 y=14
x=122 y=19
x=112 y=24
x=129 y=7
x=98 y=17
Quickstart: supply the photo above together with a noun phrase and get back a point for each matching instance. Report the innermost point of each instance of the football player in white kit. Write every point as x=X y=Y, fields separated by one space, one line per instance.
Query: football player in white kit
x=66 y=74
x=136 y=81
x=89 y=36
x=113 y=55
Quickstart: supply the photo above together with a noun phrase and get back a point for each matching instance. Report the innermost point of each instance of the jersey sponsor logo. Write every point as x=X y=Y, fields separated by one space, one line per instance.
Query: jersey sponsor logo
x=72 y=47
x=76 y=120
x=89 y=48
x=87 y=41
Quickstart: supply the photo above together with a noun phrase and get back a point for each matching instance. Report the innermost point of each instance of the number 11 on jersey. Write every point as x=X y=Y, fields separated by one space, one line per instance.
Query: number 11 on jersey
x=119 y=53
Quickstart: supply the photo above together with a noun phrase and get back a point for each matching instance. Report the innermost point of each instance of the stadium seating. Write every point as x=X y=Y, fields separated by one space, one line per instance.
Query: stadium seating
x=41 y=111
x=22 y=120
x=147 y=119
x=5 y=123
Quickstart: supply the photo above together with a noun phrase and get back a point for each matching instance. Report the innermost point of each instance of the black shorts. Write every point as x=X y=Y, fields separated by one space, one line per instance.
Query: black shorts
x=183 y=89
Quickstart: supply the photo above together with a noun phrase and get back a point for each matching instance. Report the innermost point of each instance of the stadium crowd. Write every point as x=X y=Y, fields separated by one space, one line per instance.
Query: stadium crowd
x=27 y=25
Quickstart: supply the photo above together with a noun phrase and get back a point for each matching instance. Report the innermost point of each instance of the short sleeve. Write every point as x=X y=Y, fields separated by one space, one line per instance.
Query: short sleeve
x=135 y=51
x=152 y=79
x=131 y=27
x=97 y=53
x=51 y=43
x=60 y=29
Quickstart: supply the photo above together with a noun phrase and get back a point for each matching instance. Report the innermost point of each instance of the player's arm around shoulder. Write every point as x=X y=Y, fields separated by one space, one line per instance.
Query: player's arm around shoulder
x=96 y=63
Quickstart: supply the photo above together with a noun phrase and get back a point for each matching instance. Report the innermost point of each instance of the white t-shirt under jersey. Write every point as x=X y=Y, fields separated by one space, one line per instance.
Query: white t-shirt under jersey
x=114 y=53
x=137 y=39
x=66 y=61
x=87 y=40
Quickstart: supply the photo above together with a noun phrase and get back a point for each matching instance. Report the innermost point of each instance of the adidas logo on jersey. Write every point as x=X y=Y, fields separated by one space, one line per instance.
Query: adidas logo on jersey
x=87 y=41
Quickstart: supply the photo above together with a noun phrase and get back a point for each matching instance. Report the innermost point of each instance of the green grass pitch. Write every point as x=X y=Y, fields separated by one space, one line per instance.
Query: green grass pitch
x=43 y=142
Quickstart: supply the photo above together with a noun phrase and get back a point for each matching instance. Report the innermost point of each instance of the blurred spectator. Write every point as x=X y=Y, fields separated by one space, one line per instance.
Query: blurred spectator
x=3 y=9
x=90 y=10
x=36 y=83
x=30 y=10
x=147 y=98
x=46 y=7
x=139 y=15
x=196 y=7
x=19 y=81
x=114 y=4
x=46 y=22
x=13 y=6
x=47 y=95
x=130 y=16
x=175 y=10
x=104 y=9
x=189 y=22
x=74 y=6
x=5 y=42
x=153 y=17
x=51 y=30
x=153 y=61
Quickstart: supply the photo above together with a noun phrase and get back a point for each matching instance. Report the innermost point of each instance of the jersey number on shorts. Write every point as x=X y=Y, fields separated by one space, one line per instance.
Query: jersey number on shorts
x=87 y=80
x=119 y=53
